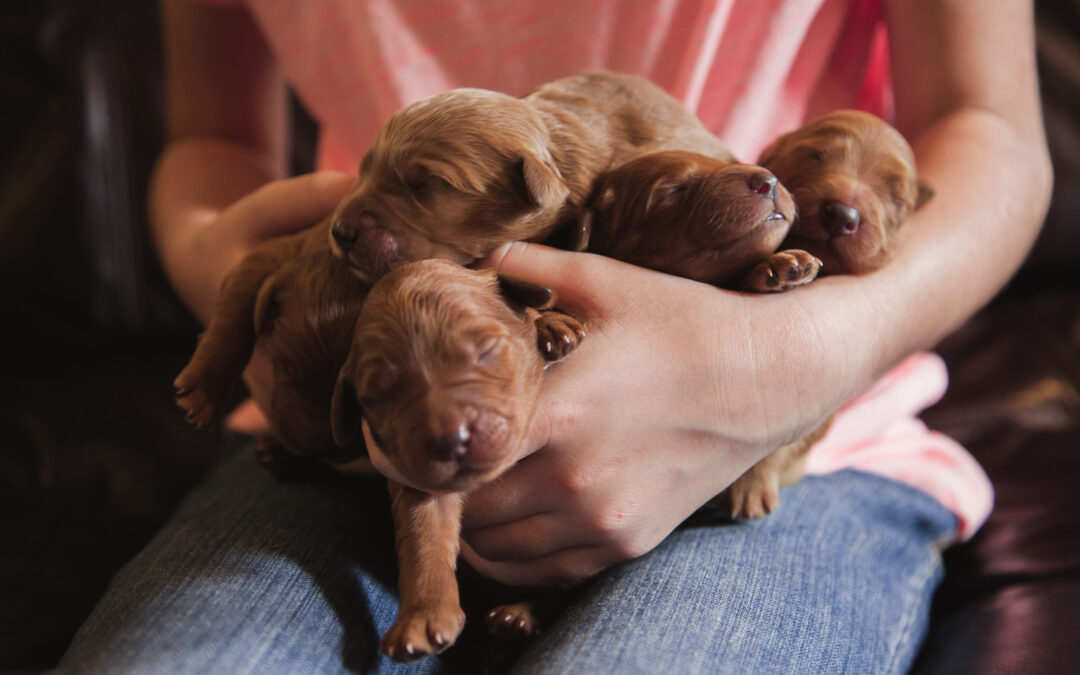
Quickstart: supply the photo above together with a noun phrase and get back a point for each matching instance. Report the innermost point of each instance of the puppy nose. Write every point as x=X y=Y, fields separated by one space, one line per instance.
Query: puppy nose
x=764 y=183
x=344 y=234
x=452 y=445
x=841 y=219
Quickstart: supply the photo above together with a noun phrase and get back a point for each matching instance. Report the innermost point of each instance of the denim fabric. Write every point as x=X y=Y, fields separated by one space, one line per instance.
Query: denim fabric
x=252 y=576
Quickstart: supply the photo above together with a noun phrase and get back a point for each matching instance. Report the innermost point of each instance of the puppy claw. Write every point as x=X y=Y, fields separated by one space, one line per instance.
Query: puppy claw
x=198 y=398
x=557 y=334
x=422 y=632
x=516 y=622
x=782 y=271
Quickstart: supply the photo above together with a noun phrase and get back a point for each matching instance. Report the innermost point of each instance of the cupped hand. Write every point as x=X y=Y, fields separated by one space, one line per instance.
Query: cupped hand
x=676 y=390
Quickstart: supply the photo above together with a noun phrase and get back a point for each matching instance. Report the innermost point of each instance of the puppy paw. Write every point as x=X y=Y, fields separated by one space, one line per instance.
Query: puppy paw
x=754 y=495
x=195 y=400
x=557 y=334
x=516 y=622
x=423 y=631
x=782 y=271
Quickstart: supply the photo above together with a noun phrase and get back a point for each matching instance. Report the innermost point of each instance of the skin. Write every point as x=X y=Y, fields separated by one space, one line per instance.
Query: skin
x=715 y=379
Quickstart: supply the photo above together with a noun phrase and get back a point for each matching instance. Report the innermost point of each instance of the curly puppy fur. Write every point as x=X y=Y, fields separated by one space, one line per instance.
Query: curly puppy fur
x=302 y=304
x=460 y=173
x=854 y=181
x=445 y=367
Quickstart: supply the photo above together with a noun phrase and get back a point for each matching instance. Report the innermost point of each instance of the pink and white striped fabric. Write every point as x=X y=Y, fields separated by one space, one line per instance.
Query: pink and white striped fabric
x=750 y=69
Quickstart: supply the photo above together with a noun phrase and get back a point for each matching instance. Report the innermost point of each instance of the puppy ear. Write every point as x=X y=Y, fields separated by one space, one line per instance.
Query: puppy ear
x=580 y=231
x=524 y=293
x=344 y=408
x=266 y=306
x=543 y=186
x=926 y=193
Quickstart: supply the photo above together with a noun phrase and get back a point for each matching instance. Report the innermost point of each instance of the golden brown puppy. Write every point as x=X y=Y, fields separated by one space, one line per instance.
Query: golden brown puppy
x=445 y=368
x=695 y=216
x=302 y=302
x=853 y=178
x=460 y=173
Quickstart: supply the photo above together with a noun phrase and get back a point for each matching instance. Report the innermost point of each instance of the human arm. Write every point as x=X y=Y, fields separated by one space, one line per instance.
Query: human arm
x=217 y=188
x=727 y=378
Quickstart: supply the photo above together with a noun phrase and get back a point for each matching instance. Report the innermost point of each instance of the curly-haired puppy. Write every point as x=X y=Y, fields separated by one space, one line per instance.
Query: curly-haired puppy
x=302 y=302
x=695 y=216
x=445 y=367
x=458 y=174
x=853 y=178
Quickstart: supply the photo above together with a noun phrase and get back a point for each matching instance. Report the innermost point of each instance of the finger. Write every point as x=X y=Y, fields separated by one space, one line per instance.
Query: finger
x=527 y=539
x=568 y=566
x=524 y=491
x=248 y=419
x=289 y=205
x=575 y=278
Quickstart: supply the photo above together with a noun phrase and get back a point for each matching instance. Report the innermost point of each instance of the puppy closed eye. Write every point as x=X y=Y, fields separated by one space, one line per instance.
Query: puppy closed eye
x=422 y=183
x=488 y=350
x=377 y=383
x=669 y=193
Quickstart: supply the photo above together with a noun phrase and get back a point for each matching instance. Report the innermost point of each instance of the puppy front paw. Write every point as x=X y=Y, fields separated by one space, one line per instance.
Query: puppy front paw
x=557 y=334
x=195 y=399
x=782 y=271
x=422 y=631
x=516 y=622
x=755 y=494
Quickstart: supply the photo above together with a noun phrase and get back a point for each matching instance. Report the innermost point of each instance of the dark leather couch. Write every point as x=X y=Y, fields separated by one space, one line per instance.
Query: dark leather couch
x=94 y=455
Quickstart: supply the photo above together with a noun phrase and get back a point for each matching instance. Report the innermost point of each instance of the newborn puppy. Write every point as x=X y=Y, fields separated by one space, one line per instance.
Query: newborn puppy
x=445 y=366
x=691 y=215
x=853 y=178
x=460 y=173
x=302 y=302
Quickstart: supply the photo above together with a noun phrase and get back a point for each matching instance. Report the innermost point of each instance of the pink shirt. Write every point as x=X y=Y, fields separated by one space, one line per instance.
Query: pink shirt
x=750 y=69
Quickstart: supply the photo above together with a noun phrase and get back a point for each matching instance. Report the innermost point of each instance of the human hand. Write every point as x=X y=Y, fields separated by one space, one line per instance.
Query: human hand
x=677 y=389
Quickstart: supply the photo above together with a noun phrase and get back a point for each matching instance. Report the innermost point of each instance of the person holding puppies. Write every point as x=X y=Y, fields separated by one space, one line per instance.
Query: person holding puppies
x=679 y=388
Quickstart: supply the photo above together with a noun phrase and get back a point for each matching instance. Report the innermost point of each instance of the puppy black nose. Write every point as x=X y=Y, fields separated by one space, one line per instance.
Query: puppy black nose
x=451 y=446
x=345 y=235
x=840 y=219
x=764 y=183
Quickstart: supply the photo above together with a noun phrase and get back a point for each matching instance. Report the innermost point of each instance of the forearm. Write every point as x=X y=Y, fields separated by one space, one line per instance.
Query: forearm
x=225 y=136
x=967 y=98
x=993 y=179
x=194 y=180
x=958 y=251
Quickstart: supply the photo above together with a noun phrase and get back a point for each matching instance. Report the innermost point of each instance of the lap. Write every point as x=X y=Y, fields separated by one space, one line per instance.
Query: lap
x=256 y=576
x=839 y=579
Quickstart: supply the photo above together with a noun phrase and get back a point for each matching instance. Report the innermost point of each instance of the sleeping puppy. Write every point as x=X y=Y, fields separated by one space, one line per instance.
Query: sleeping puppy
x=458 y=174
x=302 y=302
x=853 y=178
x=445 y=367
x=697 y=217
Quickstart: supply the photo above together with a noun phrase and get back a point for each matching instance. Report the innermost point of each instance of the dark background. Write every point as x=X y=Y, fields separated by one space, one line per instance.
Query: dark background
x=94 y=454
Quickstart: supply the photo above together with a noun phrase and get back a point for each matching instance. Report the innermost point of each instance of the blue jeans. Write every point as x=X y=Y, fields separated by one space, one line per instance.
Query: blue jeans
x=255 y=576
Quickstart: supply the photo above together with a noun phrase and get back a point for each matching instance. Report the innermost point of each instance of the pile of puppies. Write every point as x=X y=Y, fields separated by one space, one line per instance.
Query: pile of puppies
x=374 y=313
